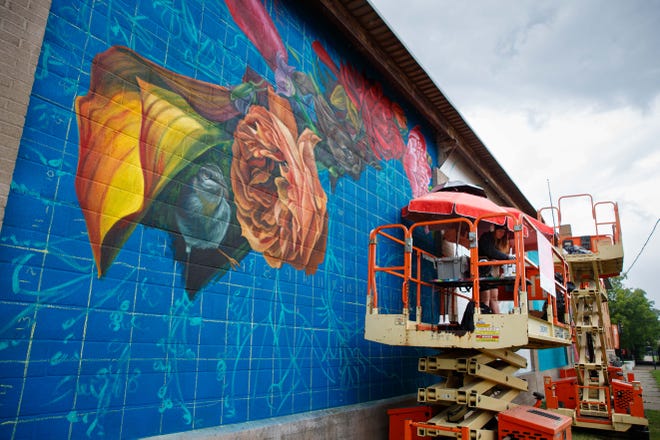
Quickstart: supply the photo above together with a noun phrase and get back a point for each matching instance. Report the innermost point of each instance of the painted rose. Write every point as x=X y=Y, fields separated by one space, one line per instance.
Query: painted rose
x=380 y=122
x=280 y=203
x=416 y=164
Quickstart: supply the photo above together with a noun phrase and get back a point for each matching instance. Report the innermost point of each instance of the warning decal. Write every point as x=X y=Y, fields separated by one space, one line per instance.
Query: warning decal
x=486 y=333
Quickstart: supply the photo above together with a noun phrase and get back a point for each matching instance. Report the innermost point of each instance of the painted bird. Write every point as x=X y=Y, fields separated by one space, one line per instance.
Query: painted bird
x=203 y=213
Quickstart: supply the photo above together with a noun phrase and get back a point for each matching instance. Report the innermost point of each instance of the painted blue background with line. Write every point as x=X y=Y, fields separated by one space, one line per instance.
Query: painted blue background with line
x=129 y=355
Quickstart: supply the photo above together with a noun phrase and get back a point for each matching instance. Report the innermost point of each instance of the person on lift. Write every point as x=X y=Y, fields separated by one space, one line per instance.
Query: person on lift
x=493 y=245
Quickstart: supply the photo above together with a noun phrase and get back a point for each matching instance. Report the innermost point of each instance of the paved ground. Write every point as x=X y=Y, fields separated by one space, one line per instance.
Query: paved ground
x=650 y=390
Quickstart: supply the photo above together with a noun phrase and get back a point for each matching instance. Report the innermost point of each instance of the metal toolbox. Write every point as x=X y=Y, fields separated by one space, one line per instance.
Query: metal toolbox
x=453 y=268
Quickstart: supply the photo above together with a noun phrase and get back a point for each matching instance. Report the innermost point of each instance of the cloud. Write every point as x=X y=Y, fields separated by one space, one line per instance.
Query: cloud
x=560 y=92
x=613 y=155
x=530 y=51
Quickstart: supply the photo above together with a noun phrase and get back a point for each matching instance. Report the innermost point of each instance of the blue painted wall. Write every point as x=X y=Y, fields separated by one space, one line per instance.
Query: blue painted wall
x=133 y=352
x=551 y=358
x=548 y=358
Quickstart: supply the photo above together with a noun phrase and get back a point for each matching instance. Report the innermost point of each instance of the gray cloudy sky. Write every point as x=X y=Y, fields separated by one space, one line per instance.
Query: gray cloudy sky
x=560 y=91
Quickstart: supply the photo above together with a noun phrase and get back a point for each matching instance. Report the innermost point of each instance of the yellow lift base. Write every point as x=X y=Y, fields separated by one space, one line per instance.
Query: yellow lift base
x=492 y=331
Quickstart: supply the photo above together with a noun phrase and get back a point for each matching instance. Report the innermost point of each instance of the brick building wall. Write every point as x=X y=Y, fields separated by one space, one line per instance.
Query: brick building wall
x=22 y=25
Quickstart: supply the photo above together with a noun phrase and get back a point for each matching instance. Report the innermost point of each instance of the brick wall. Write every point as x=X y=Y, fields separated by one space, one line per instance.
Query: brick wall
x=22 y=25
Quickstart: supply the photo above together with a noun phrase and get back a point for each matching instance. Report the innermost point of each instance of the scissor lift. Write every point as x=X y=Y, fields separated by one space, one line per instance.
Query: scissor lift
x=594 y=394
x=414 y=292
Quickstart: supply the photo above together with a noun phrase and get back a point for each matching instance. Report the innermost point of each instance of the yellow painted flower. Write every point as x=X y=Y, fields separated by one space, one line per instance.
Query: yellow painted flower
x=137 y=131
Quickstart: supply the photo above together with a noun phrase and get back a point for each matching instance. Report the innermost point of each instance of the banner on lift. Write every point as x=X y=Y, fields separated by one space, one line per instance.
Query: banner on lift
x=546 y=265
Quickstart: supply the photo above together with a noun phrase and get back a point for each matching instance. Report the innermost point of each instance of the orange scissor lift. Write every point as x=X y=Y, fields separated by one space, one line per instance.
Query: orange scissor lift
x=593 y=393
x=416 y=297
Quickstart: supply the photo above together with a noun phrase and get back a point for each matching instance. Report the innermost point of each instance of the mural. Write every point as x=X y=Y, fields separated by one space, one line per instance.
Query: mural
x=209 y=267
x=153 y=145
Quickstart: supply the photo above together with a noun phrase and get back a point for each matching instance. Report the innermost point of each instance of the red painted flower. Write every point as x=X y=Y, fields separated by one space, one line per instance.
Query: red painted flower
x=381 y=126
x=256 y=24
x=416 y=164
x=252 y=18
x=382 y=119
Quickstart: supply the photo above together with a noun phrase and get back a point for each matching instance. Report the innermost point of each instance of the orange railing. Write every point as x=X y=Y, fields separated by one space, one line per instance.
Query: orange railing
x=554 y=212
x=615 y=224
x=421 y=253
x=404 y=260
x=612 y=236
x=402 y=271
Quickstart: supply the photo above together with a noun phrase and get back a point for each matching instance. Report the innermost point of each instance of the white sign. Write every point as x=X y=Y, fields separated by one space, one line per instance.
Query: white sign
x=546 y=265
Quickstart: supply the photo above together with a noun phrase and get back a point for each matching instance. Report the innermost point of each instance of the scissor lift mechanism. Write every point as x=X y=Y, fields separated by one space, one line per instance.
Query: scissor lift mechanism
x=594 y=394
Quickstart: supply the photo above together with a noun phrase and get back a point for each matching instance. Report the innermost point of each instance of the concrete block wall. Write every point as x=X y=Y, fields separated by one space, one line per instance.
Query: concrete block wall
x=116 y=323
x=358 y=421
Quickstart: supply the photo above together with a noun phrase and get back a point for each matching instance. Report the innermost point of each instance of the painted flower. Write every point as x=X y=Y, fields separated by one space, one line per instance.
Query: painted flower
x=416 y=163
x=253 y=19
x=137 y=131
x=353 y=125
x=256 y=24
x=280 y=203
x=345 y=148
x=337 y=140
x=382 y=119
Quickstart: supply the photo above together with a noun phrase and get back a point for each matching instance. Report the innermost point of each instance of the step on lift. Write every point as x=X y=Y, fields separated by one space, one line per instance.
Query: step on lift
x=593 y=393
x=424 y=289
x=416 y=297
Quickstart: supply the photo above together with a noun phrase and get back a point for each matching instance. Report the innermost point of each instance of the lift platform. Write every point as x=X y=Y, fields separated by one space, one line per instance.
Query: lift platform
x=427 y=315
x=424 y=283
x=593 y=393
